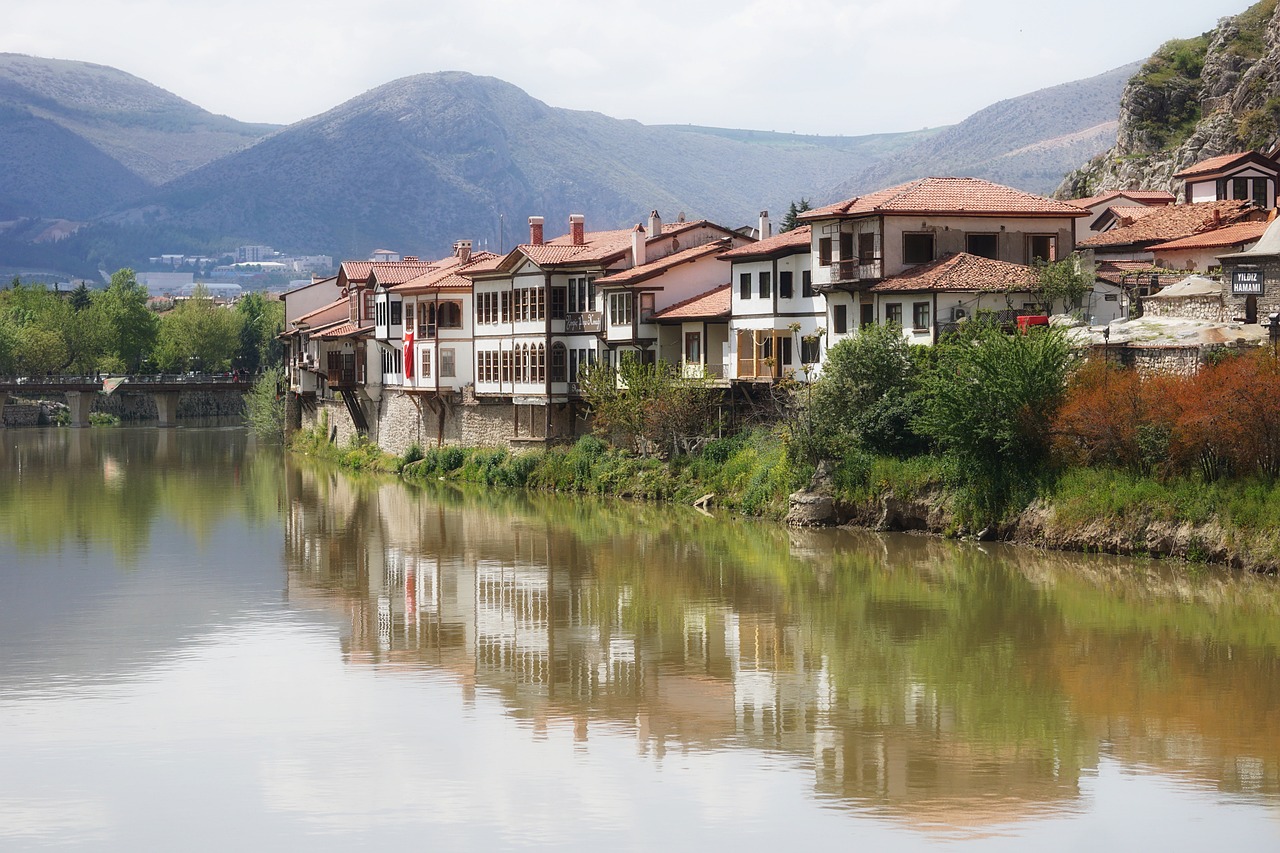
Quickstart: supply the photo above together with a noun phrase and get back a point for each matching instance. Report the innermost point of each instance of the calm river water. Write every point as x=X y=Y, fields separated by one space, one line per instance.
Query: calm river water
x=208 y=646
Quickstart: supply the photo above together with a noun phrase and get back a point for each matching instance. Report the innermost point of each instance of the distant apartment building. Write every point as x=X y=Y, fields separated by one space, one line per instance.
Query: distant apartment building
x=254 y=254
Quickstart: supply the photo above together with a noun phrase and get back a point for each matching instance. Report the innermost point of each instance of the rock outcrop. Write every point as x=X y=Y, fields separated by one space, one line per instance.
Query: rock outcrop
x=1195 y=98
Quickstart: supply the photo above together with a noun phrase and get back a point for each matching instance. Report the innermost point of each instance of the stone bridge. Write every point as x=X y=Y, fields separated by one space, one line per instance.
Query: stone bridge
x=164 y=388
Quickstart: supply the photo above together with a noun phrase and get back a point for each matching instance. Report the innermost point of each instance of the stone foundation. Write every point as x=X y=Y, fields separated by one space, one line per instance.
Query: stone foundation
x=1208 y=308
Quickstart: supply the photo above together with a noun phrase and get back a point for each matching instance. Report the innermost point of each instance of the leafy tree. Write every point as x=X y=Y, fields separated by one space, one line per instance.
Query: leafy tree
x=198 y=334
x=261 y=321
x=865 y=396
x=1063 y=282
x=792 y=221
x=131 y=326
x=265 y=405
x=988 y=404
x=647 y=405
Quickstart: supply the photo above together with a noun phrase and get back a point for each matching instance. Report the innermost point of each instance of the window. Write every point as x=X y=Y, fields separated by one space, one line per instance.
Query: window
x=810 y=350
x=846 y=245
x=1041 y=247
x=868 y=315
x=785 y=343
x=824 y=251
x=917 y=248
x=983 y=245
x=559 y=303
x=1260 y=192
x=506 y=366
x=448 y=365
x=620 y=309
x=426 y=364
x=380 y=309
x=840 y=318
x=766 y=279
x=920 y=316
x=893 y=313
x=368 y=305
x=396 y=309
x=784 y=284
x=806 y=284
x=867 y=247
x=582 y=294
x=506 y=306
x=744 y=285
x=1240 y=188
x=449 y=315
x=559 y=362
x=646 y=307
x=408 y=314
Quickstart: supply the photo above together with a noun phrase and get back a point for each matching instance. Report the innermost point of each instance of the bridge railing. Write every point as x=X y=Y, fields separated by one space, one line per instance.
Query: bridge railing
x=132 y=379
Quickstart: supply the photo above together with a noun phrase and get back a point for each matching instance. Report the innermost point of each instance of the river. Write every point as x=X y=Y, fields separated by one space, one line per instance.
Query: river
x=207 y=645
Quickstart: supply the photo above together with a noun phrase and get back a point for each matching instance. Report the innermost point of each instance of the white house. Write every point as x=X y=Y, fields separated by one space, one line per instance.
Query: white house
x=1243 y=176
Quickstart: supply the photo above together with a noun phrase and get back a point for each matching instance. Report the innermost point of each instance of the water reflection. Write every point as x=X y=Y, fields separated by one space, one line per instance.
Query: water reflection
x=951 y=686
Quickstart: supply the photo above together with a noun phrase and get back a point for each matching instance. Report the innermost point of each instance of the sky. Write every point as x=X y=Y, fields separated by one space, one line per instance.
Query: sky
x=831 y=67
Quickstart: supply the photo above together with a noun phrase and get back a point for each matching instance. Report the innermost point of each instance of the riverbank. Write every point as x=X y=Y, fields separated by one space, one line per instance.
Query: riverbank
x=1092 y=510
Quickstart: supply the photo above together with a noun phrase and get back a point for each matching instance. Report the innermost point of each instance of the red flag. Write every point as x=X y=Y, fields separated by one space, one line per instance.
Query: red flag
x=408 y=353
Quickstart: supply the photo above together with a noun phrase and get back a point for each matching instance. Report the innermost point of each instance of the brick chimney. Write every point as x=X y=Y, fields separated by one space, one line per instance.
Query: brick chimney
x=637 y=246
x=535 y=230
x=655 y=224
x=577 y=227
x=462 y=250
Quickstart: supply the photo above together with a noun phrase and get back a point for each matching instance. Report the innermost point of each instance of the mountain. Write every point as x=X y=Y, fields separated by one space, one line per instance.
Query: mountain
x=56 y=110
x=425 y=160
x=1195 y=98
x=1027 y=142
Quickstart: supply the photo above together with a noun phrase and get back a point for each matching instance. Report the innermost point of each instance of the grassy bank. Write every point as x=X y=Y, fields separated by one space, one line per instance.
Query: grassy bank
x=1083 y=509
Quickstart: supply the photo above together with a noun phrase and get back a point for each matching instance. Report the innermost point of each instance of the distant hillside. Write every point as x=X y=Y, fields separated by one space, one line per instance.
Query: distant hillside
x=1028 y=142
x=1195 y=98
x=152 y=133
x=422 y=161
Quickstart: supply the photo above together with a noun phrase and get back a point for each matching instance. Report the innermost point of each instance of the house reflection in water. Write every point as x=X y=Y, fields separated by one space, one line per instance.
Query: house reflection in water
x=895 y=700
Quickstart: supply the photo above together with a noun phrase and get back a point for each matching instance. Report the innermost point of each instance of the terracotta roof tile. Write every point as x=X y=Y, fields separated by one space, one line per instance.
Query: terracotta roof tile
x=1115 y=272
x=1143 y=196
x=1230 y=235
x=1216 y=164
x=959 y=272
x=342 y=330
x=711 y=305
x=661 y=265
x=947 y=195
x=389 y=272
x=436 y=278
x=1162 y=224
x=786 y=243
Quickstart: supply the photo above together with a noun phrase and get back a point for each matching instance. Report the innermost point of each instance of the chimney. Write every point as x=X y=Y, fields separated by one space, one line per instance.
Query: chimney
x=766 y=230
x=535 y=230
x=655 y=224
x=462 y=250
x=1217 y=217
x=637 y=246
x=577 y=224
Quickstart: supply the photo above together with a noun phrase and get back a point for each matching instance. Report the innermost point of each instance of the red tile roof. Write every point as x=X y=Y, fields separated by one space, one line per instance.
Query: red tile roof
x=661 y=265
x=342 y=330
x=1149 y=197
x=960 y=272
x=972 y=196
x=389 y=272
x=713 y=304
x=448 y=276
x=787 y=243
x=1220 y=164
x=1162 y=224
x=1231 y=235
x=1115 y=272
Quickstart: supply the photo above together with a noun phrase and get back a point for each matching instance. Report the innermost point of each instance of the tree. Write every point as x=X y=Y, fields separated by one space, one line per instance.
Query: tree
x=647 y=405
x=1063 y=282
x=261 y=321
x=198 y=334
x=265 y=404
x=791 y=221
x=131 y=326
x=81 y=298
x=989 y=403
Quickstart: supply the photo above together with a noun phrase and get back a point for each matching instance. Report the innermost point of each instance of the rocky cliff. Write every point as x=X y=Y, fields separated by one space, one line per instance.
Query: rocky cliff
x=1195 y=98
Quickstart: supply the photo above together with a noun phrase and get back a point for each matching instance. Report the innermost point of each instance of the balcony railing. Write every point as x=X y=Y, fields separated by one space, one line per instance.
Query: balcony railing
x=855 y=269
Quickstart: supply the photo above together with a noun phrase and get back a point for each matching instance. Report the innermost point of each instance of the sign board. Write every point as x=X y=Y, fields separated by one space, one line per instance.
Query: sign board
x=1246 y=282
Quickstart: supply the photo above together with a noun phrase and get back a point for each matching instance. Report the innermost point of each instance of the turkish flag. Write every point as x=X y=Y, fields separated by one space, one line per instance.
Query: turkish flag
x=408 y=353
